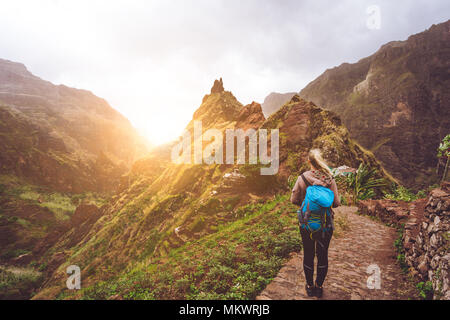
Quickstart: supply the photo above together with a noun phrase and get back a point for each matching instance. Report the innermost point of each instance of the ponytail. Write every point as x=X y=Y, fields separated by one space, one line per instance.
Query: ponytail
x=315 y=157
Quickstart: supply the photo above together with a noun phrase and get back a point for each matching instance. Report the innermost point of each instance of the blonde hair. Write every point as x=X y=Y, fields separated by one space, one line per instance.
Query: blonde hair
x=315 y=157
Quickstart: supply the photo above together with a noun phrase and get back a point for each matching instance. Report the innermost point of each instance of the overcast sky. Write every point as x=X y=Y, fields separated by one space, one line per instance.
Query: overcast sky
x=154 y=60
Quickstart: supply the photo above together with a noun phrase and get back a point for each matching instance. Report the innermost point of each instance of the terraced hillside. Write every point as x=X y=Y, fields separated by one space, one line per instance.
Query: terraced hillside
x=178 y=230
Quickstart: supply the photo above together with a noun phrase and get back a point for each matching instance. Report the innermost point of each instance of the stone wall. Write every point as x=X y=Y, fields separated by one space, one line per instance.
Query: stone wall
x=426 y=234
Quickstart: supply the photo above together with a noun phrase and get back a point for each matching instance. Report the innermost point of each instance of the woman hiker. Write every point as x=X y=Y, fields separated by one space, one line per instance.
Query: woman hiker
x=316 y=230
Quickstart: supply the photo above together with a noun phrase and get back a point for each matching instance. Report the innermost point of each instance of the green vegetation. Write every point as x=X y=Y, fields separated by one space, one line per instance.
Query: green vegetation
x=183 y=232
x=425 y=289
x=444 y=152
x=88 y=198
x=236 y=262
x=18 y=283
x=437 y=292
x=62 y=205
x=398 y=244
x=30 y=212
x=13 y=253
x=363 y=184
x=292 y=179
x=399 y=192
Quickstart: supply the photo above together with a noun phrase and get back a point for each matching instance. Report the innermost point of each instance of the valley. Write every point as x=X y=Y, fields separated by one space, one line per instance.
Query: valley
x=80 y=187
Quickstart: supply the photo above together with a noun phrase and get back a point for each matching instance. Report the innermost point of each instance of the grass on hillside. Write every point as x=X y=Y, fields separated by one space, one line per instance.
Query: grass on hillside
x=402 y=193
x=18 y=283
x=236 y=262
x=23 y=225
x=62 y=205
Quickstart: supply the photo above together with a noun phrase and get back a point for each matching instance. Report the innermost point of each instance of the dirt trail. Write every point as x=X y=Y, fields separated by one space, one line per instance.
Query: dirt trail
x=366 y=242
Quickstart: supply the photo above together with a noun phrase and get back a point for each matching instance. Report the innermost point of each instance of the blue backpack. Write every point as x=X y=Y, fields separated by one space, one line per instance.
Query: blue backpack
x=315 y=214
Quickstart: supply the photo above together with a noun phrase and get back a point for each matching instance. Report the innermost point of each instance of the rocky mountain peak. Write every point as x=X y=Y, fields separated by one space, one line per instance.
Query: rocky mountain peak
x=250 y=116
x=217 y=86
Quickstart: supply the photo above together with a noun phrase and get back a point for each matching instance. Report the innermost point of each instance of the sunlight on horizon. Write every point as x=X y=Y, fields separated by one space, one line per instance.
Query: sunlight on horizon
x=155 y=71
x=160 y=132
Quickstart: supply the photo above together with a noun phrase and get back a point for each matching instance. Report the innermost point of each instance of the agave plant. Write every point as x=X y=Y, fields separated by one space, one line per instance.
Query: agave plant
x=363 y=183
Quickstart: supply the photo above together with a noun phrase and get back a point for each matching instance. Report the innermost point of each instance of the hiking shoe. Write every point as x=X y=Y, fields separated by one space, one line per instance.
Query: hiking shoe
x=309 y=290
x=318 y=291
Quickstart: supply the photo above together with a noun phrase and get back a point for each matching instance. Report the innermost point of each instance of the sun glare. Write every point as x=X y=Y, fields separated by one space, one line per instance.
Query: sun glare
x=160 y=129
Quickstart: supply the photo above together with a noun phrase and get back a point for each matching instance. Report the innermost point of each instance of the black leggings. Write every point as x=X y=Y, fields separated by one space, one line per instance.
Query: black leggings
x=315 y=246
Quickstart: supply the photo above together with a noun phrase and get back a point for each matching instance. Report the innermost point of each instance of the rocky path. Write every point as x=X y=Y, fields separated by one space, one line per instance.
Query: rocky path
x=362 y=242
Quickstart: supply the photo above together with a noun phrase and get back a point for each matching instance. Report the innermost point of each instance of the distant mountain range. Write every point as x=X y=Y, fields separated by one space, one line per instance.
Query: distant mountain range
x=274 y=101
x=60 y=137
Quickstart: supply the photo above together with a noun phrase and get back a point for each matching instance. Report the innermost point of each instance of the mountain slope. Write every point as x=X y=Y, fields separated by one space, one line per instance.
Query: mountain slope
x=174 y=228
x=60 y=147
x=60 y=137
x=395 y=102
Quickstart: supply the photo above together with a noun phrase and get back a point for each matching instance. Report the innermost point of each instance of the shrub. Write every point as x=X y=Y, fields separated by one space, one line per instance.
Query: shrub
x=16 y=283
x=425 y=289
x=364 y=184
x=404 y=194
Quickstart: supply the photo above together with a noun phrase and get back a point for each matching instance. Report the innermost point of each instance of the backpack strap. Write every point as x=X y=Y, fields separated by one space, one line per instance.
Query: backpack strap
x=305 y=181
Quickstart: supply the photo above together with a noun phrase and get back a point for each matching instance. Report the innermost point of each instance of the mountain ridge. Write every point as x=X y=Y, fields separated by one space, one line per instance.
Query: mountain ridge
x=395 y=102
x=68 y=129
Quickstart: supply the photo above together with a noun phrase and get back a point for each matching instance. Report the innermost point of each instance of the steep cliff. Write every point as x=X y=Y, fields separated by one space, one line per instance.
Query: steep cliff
x=395 y=102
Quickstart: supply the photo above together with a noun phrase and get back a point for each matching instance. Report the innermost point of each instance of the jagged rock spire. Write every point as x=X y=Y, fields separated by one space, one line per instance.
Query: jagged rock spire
x=217 y=87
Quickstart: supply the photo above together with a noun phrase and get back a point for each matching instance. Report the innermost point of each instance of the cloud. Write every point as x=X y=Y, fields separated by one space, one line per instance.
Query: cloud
x=154 y=60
